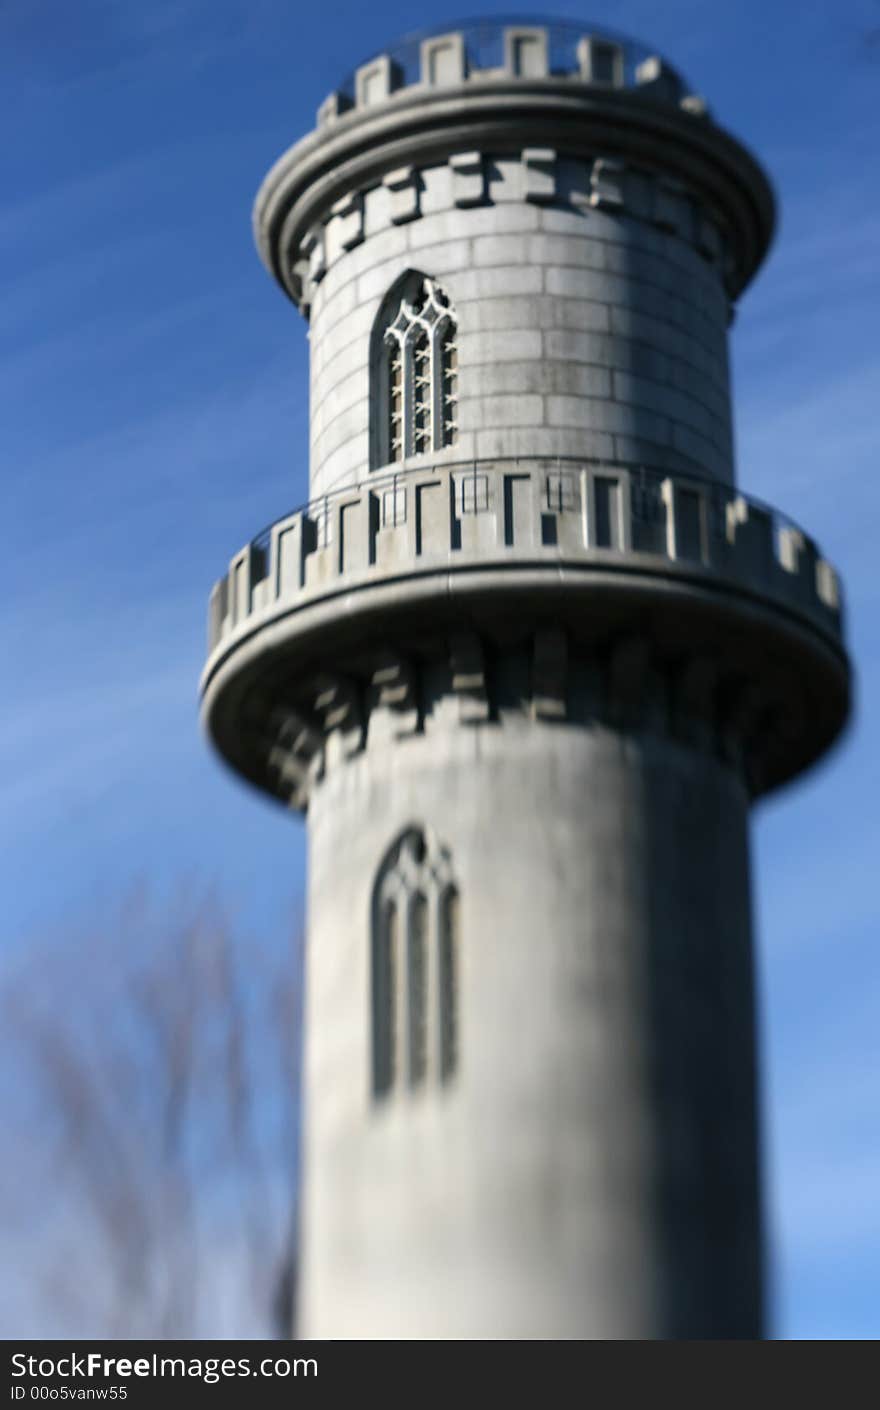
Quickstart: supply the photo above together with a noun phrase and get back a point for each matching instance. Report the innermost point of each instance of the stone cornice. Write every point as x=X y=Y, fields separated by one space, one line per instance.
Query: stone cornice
x=283 y=723
x=689 y=569
x=420 y=127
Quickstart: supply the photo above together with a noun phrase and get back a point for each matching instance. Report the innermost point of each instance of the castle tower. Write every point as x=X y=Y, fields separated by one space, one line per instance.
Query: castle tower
x=525 y=659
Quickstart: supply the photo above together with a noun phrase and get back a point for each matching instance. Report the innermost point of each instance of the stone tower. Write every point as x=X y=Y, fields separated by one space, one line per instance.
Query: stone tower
x=525 y=659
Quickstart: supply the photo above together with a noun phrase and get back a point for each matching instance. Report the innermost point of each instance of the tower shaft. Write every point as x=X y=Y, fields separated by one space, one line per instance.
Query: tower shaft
x=593 y=1173
x=525 y=658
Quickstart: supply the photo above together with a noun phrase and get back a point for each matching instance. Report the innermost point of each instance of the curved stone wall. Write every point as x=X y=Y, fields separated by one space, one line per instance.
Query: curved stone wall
x=583 y=330
x=591 y=1173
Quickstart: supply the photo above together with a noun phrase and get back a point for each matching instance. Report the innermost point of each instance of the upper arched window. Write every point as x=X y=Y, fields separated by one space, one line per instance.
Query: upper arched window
x=414 y=966
x=415 y=372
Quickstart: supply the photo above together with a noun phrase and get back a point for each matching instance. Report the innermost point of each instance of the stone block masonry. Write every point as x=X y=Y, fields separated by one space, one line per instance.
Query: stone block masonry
x=524 y=661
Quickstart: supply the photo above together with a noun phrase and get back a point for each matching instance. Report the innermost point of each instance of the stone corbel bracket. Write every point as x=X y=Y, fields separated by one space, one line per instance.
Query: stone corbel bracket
x=677 y=587
x=581 y=140
x=627 y=683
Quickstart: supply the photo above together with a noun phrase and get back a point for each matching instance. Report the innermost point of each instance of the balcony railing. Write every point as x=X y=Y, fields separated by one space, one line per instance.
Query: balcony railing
x=528 y=511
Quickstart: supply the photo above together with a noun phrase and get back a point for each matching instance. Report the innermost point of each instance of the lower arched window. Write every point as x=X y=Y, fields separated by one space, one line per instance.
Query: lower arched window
x=415 y=963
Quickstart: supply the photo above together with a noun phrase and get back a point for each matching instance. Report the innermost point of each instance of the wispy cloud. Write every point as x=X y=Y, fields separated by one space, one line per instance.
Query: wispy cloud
x=108 y=37
x=83 y=744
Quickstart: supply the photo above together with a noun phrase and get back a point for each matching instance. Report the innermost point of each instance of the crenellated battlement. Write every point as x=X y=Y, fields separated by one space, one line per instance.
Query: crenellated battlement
x=520 y=512
x=510 y=48
x=589 y=121
x=699 y=577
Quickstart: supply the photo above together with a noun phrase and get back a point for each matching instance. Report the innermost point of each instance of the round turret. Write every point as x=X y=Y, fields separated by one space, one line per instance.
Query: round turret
x=585 y=218
x=525 y=658
x=517 y=247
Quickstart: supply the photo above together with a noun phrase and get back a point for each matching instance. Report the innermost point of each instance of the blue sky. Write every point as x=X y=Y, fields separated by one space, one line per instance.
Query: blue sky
x=153 y=404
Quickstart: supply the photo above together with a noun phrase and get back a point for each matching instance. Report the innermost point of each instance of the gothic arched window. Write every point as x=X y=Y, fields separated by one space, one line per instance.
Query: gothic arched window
x=415 y=372
x=414 y=966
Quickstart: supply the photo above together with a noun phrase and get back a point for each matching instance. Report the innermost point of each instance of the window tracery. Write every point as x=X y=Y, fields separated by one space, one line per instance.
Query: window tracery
x=415 y=961
x=419 y=385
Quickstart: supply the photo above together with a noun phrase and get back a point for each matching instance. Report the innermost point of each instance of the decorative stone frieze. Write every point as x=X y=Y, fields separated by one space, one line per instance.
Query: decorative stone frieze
x=468 y=178
x=404 y=185
x=539 y=173
x=608 y=184
x=349 y=213
x=549 y=178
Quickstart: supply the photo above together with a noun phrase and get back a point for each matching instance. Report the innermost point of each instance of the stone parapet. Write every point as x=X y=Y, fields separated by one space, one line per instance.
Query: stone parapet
x=392 y=607
x=578 y=333
x=591 y=121
x=463 y=516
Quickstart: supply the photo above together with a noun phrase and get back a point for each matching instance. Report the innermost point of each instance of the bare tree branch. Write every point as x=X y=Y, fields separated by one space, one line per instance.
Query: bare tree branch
x=164 y=1091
